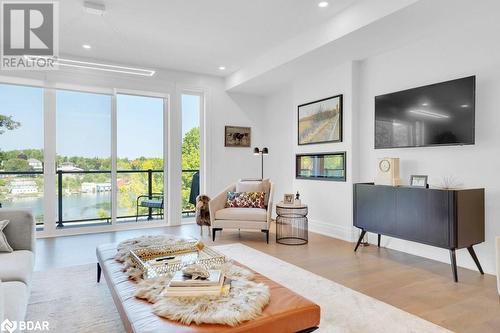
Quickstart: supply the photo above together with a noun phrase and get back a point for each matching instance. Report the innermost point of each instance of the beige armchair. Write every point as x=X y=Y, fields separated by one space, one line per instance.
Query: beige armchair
x=242 y=218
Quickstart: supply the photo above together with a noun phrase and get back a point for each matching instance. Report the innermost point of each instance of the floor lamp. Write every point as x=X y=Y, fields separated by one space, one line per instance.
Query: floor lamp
x=264 y=151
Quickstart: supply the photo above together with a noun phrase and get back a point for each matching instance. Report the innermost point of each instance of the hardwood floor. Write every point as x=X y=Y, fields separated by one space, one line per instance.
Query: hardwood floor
x=417 y=285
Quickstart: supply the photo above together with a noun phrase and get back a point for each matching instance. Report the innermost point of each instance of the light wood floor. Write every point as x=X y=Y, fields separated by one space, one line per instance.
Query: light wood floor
x=417 y=285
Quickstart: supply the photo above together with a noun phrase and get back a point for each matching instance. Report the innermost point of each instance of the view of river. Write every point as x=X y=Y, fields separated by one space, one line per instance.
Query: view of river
x=75 y=206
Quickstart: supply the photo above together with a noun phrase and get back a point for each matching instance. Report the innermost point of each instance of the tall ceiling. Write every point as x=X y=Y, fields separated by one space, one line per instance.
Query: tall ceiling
x=189 y=35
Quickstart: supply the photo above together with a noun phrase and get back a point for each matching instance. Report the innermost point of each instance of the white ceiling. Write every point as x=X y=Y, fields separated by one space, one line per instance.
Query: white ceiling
x=189 y=35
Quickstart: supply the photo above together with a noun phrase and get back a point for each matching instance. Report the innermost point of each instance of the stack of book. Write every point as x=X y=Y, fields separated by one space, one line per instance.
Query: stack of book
x=183 y=286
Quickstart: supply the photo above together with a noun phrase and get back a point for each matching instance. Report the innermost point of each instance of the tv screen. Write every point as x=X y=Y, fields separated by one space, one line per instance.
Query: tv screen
x=437 y=114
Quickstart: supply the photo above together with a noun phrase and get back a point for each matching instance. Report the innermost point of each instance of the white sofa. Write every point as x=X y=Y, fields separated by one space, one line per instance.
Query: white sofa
x=242 y=218
x=16 y=268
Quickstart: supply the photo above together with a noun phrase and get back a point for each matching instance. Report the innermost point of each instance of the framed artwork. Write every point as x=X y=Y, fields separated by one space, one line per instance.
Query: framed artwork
x=320 y=121
x=323 y=166
x=235 y=136
x=419 y=181
x=288 y=199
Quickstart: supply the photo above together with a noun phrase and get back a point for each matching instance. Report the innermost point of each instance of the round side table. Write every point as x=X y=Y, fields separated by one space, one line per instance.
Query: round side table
x=291 y=224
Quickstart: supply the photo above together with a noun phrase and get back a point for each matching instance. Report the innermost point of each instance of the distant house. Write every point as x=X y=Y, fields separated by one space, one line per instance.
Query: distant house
x=68 y=166
x=95 y=187
x=35 y=164
x=23 y=187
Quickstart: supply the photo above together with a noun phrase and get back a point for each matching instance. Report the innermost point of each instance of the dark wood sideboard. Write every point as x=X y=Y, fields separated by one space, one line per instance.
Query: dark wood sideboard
x=449 y=219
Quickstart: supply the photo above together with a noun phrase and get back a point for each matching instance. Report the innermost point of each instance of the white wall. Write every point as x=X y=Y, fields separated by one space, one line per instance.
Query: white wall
x=223 y=165
x=330 y=203
x=459 y=48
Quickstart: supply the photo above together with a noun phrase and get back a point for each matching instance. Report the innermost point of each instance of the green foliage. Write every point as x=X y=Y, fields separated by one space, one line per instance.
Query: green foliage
x=16 y=164
x=7 y=123
x=191 y=149
x=190 y=161
x=102 y=213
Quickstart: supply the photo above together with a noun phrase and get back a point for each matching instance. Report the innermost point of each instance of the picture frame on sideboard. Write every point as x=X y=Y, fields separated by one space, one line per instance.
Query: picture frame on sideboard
x=419 y=181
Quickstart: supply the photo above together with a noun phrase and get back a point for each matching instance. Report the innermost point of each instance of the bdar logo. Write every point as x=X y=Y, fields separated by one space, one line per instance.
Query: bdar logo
x=8 y=326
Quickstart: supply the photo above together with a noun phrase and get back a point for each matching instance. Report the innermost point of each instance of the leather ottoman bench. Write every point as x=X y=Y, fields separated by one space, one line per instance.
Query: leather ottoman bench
x=286 y=312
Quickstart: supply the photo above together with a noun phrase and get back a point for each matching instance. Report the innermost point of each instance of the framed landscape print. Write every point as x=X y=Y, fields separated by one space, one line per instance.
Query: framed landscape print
x=320 y=121
x=235 y=136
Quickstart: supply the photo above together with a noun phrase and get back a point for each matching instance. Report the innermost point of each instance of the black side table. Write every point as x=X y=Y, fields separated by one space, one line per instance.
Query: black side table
x=291 y=224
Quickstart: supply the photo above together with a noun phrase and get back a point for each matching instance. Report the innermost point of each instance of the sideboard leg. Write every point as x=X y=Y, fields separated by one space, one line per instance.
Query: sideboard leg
x=454 y=264
x=378 y=240
x=474 y=257
x=363 y=232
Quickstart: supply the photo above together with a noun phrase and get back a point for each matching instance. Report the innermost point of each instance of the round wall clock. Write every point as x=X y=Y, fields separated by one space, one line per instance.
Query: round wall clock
x=384 y=166
x=388 y=171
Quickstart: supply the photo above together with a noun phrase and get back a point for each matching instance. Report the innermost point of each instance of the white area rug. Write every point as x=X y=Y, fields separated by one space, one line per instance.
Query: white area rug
x=342 y=309
x=71 y=300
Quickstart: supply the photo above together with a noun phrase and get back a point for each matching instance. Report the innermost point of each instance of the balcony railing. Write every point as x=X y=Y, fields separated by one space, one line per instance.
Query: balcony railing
x=148 y=190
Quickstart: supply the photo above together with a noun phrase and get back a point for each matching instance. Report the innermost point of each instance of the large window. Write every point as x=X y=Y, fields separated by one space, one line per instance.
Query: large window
x=85 y=158
x=21 y=148
x=140 y=156
x=191 y=108
x=83 y=161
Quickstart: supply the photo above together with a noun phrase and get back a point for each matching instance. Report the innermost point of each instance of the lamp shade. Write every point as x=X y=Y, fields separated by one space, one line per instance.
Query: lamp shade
x=265 y=151
x=256 y=151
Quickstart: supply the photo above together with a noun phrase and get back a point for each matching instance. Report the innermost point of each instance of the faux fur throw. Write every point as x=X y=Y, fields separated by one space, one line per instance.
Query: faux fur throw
x=245 y=300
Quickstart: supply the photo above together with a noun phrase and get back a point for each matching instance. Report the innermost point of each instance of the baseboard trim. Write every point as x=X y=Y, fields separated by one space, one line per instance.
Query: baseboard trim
x=331 y=230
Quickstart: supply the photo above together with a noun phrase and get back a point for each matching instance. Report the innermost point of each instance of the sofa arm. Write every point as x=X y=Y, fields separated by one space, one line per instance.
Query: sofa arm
x=2 y=311
x=20 y=231
x=219 y=202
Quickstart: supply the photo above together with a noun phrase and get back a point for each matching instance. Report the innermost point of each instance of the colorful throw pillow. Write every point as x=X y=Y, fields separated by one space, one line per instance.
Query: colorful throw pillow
x=254 y=186
x=245 y=200
x=4 y=245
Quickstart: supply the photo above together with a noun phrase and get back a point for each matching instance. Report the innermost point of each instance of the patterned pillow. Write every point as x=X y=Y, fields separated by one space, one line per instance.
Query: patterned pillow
x=4 y=245
x=245 y=200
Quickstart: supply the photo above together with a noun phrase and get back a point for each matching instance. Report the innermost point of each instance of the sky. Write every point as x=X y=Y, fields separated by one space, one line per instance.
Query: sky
x=83 y=122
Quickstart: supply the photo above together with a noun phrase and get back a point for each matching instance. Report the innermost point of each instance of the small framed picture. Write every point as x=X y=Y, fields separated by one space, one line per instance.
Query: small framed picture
x=289 y=199
x=236 y=136
x=419 y=181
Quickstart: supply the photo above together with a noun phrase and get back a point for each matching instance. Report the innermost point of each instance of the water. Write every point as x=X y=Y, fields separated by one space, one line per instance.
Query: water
x=75 y=207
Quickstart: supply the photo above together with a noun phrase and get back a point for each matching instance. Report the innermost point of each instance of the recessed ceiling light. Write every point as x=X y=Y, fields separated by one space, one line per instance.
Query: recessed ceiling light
x=97 y=66
x=86 y=46
x=222 y=68
x=425 y=104
x=323 y=4
x=464 y=105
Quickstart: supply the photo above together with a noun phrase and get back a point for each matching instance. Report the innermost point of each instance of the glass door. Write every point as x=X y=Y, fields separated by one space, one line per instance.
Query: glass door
x=140 y=161
x=191 y=105
x=21 y=149
x=83 y=158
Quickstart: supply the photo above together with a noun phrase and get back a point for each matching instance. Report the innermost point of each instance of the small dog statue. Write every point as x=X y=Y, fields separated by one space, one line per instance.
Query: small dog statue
x=202 y=212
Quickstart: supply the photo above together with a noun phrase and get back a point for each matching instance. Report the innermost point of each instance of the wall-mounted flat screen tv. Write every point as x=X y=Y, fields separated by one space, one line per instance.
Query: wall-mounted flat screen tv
x=433 y=115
